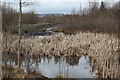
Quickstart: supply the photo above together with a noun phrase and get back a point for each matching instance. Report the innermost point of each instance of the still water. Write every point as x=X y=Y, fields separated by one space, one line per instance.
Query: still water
x=68 y=67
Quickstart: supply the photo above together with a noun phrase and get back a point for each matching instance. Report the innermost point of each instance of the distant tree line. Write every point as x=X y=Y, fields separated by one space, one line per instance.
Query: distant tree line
x=98 y=18
x=10 y=18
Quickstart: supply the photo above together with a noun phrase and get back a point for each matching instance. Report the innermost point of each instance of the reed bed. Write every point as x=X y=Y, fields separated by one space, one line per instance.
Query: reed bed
x=101 y=48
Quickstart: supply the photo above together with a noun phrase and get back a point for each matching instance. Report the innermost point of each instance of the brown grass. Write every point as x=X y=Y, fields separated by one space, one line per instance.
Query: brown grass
x=102 y=48
x=8 y=71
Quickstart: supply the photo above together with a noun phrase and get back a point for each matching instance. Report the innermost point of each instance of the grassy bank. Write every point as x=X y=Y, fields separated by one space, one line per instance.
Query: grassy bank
x=28 y=28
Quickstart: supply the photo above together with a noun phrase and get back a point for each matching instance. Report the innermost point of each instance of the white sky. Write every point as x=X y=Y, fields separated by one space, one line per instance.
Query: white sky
x=54 y=6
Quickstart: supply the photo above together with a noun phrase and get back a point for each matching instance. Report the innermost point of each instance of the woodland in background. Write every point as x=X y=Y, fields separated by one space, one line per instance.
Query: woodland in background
x=10 y=18
x=95 y=19
x=98 y=18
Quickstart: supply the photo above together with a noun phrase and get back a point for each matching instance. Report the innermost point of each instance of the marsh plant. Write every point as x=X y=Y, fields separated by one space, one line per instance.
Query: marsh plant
x=101 y=48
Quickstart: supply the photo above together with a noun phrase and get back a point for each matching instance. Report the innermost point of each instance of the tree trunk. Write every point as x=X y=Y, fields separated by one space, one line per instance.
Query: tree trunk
x=19 y=39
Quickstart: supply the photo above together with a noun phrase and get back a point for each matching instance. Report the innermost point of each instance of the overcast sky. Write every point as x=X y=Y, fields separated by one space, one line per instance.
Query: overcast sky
x=54 y=6
x=62 y=0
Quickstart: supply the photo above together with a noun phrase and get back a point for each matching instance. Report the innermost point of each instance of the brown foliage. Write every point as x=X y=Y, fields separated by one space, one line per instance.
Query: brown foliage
x=10 y=18
x=95 y=19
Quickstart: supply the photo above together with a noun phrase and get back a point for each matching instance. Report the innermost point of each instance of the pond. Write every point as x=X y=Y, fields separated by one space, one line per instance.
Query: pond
x=68 y=67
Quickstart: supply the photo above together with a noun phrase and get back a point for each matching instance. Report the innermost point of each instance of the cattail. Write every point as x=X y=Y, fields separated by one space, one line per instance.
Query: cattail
x=102 y=49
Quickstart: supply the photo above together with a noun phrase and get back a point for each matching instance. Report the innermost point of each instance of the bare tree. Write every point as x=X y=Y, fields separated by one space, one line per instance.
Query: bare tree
x=0 y=40
x=73 y=17
x=20 y=18
x=21 y=4
x=80 y=9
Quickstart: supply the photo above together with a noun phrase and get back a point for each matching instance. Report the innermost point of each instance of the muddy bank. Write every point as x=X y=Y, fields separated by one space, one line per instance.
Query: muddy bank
x=101 y=48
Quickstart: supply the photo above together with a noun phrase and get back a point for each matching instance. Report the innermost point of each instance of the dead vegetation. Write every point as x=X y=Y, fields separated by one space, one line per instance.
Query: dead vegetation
x=10 y=18
x=102 y=49
x=8 y=71
x=99 y=17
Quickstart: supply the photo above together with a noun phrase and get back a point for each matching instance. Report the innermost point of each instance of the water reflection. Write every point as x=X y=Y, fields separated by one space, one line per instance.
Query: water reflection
x=73 y=60
x=69 y=67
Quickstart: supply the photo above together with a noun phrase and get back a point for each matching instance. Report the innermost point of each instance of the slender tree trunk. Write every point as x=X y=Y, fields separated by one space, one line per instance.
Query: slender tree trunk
x=19 y=39
x=5 y=37
x=73 y=20
x=118 y=40
x=118 y=12
x=103 y=75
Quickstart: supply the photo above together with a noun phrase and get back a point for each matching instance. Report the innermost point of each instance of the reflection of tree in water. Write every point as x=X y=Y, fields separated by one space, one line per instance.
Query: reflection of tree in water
x=43 y=57
x=35 y=60
x=4 y=59
x=72 y=60
x=9 y=58
x=39 y=59
x=48 y=59
x=56 y=59
x=27 y=64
